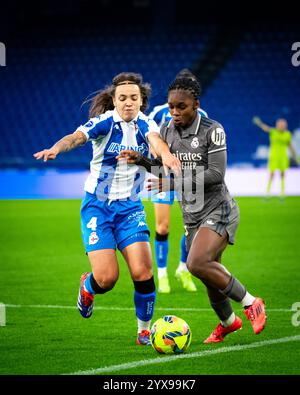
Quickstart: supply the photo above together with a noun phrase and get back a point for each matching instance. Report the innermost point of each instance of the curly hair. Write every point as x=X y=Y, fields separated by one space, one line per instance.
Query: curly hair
x=103 y=99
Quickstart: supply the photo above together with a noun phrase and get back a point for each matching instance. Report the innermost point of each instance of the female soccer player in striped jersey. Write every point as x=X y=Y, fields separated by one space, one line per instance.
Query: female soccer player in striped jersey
x=112 y=214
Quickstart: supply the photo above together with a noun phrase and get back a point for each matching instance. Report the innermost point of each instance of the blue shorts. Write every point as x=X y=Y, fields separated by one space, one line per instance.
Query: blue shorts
x=163 y=197
x=112 y=223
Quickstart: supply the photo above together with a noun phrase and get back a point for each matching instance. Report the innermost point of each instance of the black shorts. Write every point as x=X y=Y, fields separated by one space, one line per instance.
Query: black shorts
x=224 y=218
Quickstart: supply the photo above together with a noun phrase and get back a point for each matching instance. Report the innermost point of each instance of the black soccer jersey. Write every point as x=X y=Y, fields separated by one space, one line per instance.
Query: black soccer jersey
x=201 y=148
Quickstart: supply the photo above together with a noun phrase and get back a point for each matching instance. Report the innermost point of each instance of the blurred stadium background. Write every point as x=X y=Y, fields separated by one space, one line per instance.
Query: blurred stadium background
x=58 y=53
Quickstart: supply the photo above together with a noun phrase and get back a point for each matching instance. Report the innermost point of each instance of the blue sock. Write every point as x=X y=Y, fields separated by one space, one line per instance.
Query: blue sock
x=88 y=285
x=161 y=245
x=183 y=251
x=144 y=305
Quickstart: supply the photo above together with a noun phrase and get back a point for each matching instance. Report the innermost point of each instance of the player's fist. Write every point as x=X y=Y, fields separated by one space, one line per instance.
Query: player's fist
x=171 y=162
x=160 y=185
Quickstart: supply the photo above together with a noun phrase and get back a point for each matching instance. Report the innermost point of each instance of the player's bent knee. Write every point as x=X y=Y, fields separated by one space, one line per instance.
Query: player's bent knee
x=198 y=266
x=105 y=283
x=143 y=274
x=162 y=228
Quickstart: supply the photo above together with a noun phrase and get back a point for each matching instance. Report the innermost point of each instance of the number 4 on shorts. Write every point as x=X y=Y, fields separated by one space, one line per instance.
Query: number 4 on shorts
x=92 y=224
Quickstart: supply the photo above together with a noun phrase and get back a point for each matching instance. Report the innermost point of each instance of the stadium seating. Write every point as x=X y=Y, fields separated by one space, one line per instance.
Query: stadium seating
x=48 y=78
x=259 y=80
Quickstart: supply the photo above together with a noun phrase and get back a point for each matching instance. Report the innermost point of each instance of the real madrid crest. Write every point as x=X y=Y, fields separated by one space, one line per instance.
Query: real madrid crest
x=195 y=142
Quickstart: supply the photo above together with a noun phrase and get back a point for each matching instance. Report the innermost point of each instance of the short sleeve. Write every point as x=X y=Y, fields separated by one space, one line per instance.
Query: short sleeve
x=97 y=126
x=159 y=114
x=149 y=126
x=153 y=127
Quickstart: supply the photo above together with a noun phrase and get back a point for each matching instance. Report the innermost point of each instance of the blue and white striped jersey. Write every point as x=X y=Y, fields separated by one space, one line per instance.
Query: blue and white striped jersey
x=160 y=114
x=109 y=178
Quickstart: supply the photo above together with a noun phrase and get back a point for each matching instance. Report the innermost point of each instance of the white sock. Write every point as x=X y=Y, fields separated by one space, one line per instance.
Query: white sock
x=182 y=267
x=162 y=272
x=247 y=300
x=143 y=325
x=229 y=321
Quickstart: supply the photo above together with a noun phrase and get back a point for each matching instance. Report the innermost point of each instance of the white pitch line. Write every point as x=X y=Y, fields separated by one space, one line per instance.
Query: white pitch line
x=199 y=354
x=109 y=308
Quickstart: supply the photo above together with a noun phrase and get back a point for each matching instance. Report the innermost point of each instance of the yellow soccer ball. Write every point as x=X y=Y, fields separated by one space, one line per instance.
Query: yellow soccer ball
x=170 y=334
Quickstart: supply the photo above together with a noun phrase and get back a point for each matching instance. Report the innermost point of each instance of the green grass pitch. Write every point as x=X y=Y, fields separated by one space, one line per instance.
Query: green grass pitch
x=42 y=258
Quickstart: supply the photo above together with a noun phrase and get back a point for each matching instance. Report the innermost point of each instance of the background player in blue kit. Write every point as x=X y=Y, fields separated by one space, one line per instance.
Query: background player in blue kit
x=112 y=214
x=162 y=207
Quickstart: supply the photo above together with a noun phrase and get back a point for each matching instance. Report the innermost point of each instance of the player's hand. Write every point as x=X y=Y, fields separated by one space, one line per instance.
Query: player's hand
x=130 y=156
x=256 y=120
x=159 y=185
x=171 y=162
x=47 y=154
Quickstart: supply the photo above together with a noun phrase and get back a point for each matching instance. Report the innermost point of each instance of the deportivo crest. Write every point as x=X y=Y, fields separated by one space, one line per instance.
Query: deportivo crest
x=93 y=239
x=89 y=124
x=161 y=195
x=195 y=142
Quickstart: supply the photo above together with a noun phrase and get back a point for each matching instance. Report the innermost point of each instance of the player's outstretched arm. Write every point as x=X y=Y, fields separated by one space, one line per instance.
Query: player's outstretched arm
x=258 y=122
x=67 y=143
x=134 y=157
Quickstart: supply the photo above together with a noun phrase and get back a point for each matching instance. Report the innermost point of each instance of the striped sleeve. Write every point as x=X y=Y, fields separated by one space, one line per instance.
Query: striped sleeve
x=147 y=125
x=159 y=113
x=153 y=127
x=98 y=126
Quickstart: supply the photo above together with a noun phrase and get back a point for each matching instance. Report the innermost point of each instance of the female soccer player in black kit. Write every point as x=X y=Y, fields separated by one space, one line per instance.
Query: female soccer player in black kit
x=210 y=214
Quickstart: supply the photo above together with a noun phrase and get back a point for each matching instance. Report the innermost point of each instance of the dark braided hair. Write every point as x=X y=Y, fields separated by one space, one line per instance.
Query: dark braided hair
x=185 y=73
x=103 y=100
x=192 y=86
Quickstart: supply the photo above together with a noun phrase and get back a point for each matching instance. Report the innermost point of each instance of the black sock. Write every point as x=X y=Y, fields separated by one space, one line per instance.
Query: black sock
x=159 y=237
x=96 y=287
x=144 y=287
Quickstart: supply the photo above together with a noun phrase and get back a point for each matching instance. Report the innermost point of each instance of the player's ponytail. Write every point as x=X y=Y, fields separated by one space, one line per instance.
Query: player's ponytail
x=101 y=103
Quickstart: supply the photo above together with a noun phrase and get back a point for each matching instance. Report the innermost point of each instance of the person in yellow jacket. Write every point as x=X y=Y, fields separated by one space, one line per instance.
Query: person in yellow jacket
x=280 y=142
